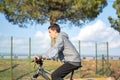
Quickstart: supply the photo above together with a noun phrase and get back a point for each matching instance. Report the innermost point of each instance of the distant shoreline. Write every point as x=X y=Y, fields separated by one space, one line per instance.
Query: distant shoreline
x=82 y=57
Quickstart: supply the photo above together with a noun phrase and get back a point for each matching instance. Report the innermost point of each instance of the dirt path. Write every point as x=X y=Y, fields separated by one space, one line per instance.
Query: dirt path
x=94 y=79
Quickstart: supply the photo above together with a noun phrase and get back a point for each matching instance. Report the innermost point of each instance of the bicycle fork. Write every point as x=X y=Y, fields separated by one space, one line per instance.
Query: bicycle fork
x=41 y=72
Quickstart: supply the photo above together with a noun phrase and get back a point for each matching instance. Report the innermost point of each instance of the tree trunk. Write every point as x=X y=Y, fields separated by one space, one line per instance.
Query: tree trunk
x=52 y=21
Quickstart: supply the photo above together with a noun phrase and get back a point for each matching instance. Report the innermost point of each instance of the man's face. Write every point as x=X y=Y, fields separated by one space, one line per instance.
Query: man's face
x=52 y=33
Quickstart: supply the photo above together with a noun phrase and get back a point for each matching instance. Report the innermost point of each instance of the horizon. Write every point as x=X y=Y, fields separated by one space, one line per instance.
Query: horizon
x=98 y=30
x=93 y=57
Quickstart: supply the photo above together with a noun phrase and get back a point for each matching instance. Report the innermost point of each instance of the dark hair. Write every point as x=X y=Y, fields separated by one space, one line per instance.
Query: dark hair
x=54 y=27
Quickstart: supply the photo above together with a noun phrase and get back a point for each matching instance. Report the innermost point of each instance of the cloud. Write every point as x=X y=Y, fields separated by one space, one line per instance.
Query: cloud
x=99 y=32
x=1 y=35
x=20 y=45
x=39 y=34
x=40 y=42
x=18 y=41
x=42 y=38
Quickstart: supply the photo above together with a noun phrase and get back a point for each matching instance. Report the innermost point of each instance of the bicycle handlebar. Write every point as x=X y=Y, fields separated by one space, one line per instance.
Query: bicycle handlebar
x=39 y=61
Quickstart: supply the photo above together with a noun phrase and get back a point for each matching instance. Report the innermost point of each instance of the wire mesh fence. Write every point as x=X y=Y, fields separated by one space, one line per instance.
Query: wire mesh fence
x=16 y=55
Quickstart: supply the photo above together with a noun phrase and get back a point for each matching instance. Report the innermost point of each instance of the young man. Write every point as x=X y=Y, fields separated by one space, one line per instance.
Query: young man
x=64 y=50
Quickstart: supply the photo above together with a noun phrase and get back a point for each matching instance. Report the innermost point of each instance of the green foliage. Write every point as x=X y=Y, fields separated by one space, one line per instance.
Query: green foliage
x=78 y=12
x=115 y=23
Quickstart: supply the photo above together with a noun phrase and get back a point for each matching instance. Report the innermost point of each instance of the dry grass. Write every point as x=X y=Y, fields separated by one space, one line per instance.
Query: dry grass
x=109 y=78
x=22 y=69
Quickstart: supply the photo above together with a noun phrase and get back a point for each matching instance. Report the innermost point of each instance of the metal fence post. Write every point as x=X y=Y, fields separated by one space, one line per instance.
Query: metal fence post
x=107 y=53
x=96 y=57
x=11 y=54
x=30 y=53
x=103 y=64
x=29 y=48
x=80 y=49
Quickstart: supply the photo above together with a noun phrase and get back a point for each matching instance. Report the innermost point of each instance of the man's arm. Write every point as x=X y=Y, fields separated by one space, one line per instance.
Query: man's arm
x=53 y=51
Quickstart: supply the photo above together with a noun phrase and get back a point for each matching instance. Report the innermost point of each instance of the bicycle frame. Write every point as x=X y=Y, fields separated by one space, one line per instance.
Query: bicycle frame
x=40 y=71
x=43 y=72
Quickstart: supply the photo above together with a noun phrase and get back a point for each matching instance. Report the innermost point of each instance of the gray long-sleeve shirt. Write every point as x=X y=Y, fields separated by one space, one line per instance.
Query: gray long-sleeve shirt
x=63 y=49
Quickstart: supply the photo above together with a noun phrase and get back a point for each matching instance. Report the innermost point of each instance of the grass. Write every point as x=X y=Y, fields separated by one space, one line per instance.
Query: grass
x=23 y=69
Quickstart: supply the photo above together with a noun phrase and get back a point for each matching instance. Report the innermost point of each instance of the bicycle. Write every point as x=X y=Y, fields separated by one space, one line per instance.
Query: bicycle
x=41 y=71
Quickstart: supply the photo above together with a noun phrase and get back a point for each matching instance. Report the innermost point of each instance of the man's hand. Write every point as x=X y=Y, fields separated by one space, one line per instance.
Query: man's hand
x=36 y=58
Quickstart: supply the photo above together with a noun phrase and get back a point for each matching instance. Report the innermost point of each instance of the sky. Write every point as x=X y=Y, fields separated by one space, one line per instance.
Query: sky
x=97 y=31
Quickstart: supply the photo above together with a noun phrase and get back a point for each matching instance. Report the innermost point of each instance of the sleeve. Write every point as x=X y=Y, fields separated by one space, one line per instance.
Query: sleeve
x=53 y=51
